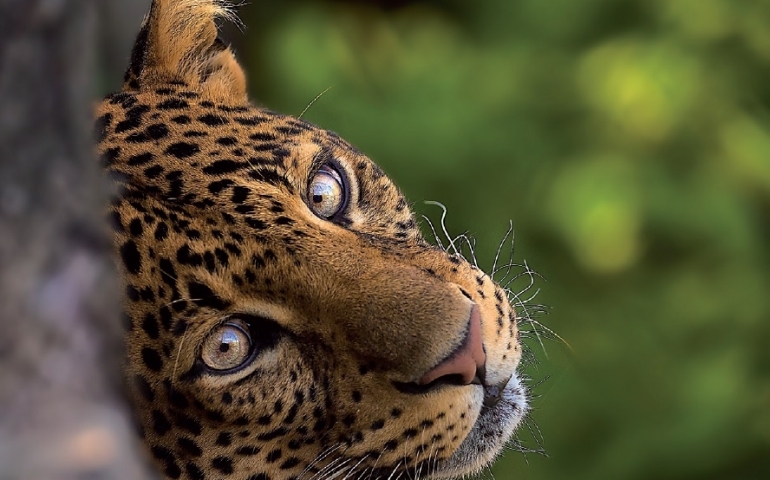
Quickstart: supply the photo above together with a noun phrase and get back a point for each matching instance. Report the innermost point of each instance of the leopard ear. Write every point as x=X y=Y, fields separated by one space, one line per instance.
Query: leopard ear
x=178 y=43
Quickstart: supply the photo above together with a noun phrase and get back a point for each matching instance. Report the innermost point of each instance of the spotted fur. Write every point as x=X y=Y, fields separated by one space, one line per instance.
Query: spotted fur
x=349 y=312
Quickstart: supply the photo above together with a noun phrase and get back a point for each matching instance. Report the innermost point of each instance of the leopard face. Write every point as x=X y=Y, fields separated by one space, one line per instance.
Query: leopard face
x=284 y=317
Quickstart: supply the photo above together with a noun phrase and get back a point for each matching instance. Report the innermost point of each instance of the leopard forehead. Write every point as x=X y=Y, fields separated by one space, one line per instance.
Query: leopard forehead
x=345 y=315
x=241 y=159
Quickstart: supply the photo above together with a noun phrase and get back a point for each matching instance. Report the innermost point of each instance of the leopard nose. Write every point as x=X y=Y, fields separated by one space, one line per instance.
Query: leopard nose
x=466 y=364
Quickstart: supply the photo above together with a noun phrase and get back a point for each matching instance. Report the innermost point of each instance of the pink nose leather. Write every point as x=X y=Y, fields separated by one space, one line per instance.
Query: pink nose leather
x=467 y=361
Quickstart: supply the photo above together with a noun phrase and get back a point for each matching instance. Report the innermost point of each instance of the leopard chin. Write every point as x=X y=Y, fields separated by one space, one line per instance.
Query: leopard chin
x=490 y=434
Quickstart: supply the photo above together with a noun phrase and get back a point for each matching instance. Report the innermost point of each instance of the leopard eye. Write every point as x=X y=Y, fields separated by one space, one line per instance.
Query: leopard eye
x=326 y=193
x=227 y=347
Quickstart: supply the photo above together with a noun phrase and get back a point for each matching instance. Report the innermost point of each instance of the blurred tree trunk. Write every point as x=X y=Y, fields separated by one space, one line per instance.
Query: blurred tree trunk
x=120 y=21
x=62 y=413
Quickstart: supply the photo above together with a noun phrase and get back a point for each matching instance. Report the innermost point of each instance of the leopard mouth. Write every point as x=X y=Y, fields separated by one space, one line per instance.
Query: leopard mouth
x=497 y=421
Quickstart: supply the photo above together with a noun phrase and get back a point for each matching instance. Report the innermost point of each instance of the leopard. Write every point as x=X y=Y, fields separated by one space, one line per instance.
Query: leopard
x=284 y=316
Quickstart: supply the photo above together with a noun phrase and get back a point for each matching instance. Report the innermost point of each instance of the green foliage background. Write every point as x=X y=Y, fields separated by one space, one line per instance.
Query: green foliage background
x=629 y=143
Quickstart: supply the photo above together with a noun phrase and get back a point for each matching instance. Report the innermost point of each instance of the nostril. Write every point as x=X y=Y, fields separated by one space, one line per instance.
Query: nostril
x=465 y=365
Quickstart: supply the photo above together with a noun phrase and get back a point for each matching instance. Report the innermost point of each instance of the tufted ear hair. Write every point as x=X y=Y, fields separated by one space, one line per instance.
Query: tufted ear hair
x=178 y=42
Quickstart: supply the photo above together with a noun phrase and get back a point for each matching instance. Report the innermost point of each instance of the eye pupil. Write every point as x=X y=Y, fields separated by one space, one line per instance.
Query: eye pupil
x=318 y=198
x=224 y=347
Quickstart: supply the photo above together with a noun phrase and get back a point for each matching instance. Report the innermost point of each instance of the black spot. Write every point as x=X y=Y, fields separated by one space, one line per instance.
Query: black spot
x=168 y=459
x=222 y=167
x=160 y=423
x=259 y=476
x=175 y=397
x=188 y=423
x=204 y=297
x=135 y=227
x=227 y=141
x=194 y=472
x=289 y=131
x=126 y=100
x=270 y=176
x=185 y=256
x=157 y=131
x=240 y=194
x=217 y=187
x=263 y=137
x=182 y=119
x=356 y=396
x=190 y=447
x=161 y=231
x=208 y=259
x=256 y=224
x=391 y=445
x=243 y=420
x=153 y=172
x=165 y=316
x=146 y=293
x=180 y=327
x=137 y=138
x=349 y=420
x=265 y=420
x=223 y=464
x=232 y=249
x=213 y=120
x=133 y=119
x=273 y=456
x=222 y=257
x=173 y=104
x=182 y=150
x=140 y=159
x=248 y=451
x=224 y=439
x=132 y=259
x=290 y=463
x=227 y=398
x=250 y=121
x=378 y=424
x=109 y=156
x=150 y=326
x=102 y=126
x=229 y=219
x=151 y=359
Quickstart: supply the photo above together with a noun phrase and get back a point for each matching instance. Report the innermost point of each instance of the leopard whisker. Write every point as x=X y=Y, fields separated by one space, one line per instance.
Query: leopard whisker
x=320 y=457
x=314 y=100
x=438 y=241
x=443 y=226
x=352 y=470
x=178 y=354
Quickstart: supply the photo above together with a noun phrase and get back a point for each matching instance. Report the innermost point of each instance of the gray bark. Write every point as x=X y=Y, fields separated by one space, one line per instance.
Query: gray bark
x=120 y=21
x=62 y=414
